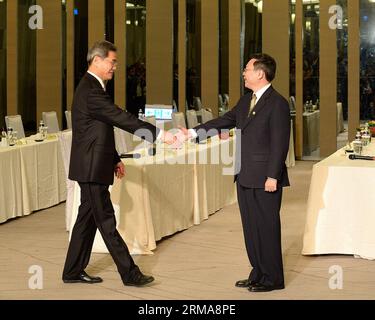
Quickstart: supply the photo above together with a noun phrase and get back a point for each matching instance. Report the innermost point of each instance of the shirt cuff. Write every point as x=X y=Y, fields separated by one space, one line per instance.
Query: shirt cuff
x=192 y=133
x=272 y=178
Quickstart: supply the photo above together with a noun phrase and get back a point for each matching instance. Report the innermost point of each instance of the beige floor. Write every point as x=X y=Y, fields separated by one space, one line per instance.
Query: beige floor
x=202 y=262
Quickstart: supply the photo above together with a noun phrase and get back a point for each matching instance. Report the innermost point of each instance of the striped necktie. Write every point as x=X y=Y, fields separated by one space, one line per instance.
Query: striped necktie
x=252 y=104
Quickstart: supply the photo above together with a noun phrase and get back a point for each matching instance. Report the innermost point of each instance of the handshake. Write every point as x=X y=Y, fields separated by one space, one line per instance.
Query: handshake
x=177 y=139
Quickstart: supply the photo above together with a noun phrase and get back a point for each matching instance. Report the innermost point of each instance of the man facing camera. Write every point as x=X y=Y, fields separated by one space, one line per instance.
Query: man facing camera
x=263 y=119
x=93 y=163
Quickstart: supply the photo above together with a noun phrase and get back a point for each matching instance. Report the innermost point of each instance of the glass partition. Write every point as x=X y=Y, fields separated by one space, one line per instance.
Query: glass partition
x=367 y=54
x=63 y=62
x=3 y=63
x=342 y=76
x=251 y=29
x=26 y=67
x=175 y=54
x=193 y=56
x=110 y=36
x=80 y=39
x=311 y=115
x=223 y=54
x=136 y=55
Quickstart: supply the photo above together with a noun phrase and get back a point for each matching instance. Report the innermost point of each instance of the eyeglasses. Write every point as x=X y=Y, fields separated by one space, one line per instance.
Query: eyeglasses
x=113 y=63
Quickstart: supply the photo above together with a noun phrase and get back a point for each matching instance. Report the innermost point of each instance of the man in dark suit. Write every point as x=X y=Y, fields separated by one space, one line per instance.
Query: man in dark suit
x=93 y=163
x=262 y=118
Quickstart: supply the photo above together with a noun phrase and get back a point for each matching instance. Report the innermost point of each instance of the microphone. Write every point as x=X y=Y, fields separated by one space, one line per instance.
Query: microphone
x=355 y=157
x=130 y=155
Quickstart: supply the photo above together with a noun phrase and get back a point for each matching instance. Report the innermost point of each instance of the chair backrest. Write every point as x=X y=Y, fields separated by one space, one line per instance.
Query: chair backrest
x=221 y=101
x=15 y=122
x=192 y=119
x=65 y=141
x=178 y=120
x=151 y=120
x=68 y=117
x=197 y=103
x=51 y=122
x=206 y=115
x=292 y=103
x=226 y=100
x=123 y=141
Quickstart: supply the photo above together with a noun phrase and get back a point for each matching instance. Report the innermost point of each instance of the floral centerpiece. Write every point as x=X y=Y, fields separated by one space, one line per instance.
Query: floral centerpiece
x=371 y=125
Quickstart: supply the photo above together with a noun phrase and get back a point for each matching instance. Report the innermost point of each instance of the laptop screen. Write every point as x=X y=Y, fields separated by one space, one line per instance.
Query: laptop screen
x=160 y=112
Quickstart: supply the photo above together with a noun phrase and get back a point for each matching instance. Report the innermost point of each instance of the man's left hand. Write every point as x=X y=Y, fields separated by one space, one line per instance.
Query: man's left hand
x=120 y=170
x=270 y=185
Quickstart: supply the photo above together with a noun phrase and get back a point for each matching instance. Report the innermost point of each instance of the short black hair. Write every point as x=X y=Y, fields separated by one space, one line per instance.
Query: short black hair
x=265 y=63
x=100 y=49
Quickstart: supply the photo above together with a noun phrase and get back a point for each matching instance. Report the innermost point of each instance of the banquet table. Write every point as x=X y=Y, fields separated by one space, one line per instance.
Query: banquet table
x=340 y=209
x=32 y=177
x=168 y=192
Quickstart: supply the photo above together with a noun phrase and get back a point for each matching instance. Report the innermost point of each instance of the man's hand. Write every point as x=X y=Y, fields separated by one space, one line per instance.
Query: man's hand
x=120 y=170
x=183 y=134
x=224 y=135
x=271 y=185
x=168 y=138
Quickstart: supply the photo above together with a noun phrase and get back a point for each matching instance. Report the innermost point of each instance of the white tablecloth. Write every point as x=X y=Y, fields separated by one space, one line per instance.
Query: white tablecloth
x=32 y=178
x=341 y=206
x=155 y=200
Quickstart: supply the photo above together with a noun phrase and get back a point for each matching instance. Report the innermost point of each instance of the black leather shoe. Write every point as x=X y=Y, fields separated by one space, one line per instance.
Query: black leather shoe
x=263 y=288
x=139 y=280
x=244 y=283
x=83 y=277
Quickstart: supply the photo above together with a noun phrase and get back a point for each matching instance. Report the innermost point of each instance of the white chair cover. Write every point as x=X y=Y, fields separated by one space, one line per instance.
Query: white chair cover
x=51 y=122
x=226 y=100
x=68 y=117
x=16 y=123
x=292 y=104
x=197 y=103
x=192 y=119
x=65 y=141
x=221 y=101
x=178 y=119
x=206 y=115
x=291 y=158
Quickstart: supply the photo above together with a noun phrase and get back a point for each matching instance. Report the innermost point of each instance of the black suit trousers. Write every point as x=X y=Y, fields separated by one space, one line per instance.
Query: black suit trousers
x=96 y=212
x=260 y=215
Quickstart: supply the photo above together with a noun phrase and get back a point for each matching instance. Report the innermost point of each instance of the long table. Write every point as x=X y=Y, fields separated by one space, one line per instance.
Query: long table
x=32 y=177
x=340 y=209
x=167 y=193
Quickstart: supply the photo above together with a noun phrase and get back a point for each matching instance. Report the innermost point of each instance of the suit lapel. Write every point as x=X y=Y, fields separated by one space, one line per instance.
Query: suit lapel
x=258 y=107
x=94 y=80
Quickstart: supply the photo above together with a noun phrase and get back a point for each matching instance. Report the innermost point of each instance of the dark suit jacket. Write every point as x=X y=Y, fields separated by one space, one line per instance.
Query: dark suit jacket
x=93 y=154
x=264 y=138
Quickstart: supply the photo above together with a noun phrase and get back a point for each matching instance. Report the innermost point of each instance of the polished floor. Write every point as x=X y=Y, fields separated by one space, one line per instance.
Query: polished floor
x=202 y=262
